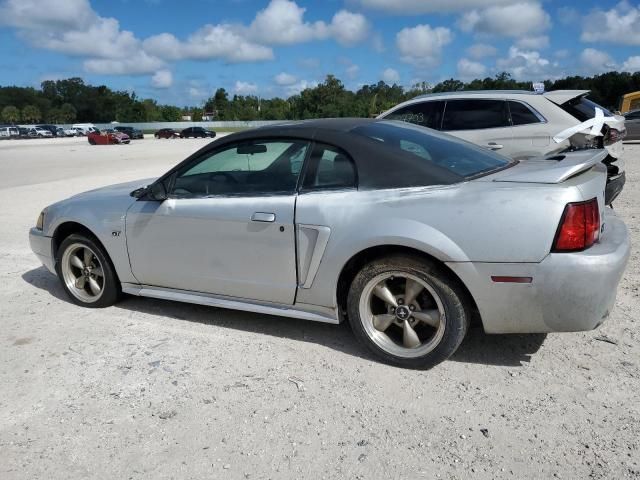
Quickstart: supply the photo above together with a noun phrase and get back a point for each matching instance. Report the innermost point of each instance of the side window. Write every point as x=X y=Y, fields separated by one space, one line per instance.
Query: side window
x=329 y=168
x=256 y=167
x=425 y=114
x=521 y=114
x=633 y=116
x=475 y=114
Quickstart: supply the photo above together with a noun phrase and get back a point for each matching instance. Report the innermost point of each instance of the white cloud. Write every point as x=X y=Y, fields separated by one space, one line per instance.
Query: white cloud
x=162 y=79
x=349 y=28
x=527 y=65
x=404 y=7
x=352 y=71
x=621 y=24
x=209 y=42
x=596 y=61
x=296 y=88
x=511 y=20
x=631 y=64
x=468 y=69
x=245 y=88
x=482 y=50
x=137 y=64
x=390 y=76
x=282 y=23
x=562 y=53
x=284 y=79
x=533 y=43
x=54 y=14
x=422 y=45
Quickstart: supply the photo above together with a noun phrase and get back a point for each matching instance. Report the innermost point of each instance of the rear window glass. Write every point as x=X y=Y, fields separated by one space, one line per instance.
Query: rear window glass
x=584 y=109
x=459 y=157
x=425 y=114
x=522 y=114
x=475 y=114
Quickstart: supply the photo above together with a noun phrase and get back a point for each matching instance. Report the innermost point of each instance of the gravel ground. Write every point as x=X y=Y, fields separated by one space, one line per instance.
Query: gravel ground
x=155 y=389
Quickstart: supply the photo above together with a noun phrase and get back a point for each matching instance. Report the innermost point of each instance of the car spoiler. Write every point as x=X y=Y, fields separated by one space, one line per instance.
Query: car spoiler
x=560 y=97
x=553 y=169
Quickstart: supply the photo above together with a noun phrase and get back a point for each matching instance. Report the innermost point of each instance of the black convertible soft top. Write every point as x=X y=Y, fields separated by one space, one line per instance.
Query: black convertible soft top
x=379 y=164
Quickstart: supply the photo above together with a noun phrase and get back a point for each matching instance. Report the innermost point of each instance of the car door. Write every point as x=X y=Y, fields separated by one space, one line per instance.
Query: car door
x=484 y=122
x=532 y=135
x=227 y=226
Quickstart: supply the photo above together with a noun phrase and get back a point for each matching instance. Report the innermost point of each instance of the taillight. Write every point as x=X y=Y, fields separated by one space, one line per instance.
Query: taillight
x=614 y=136
x=579 y=227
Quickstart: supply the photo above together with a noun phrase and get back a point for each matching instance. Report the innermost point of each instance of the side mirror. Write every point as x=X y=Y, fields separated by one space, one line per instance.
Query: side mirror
x=139 y=192
x=157 y=191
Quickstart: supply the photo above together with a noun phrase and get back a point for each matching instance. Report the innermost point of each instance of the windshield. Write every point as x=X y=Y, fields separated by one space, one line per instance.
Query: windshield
x=584 y=109
x=457 y=156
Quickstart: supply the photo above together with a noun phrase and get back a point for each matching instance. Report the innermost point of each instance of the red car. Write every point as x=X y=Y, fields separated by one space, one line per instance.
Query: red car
x=166 y=133
x=107 y=137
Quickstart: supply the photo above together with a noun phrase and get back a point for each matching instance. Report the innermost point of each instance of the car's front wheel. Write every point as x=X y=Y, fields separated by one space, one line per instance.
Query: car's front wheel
x=86 y=272
x=408 y=311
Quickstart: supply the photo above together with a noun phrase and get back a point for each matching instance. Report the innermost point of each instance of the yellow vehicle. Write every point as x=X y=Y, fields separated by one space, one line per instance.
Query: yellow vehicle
x=630 y=101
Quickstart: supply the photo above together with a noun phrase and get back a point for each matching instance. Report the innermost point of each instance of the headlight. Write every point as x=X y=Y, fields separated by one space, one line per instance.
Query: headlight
x=40 y=222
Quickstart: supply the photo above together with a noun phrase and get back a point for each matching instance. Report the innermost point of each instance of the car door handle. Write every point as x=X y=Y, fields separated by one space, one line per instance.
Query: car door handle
x=263 y=217
x=494 y=146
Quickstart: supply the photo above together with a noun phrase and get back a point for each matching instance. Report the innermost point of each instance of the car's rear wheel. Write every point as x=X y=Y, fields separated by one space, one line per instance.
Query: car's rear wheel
x=408 y=311
x=86 y=272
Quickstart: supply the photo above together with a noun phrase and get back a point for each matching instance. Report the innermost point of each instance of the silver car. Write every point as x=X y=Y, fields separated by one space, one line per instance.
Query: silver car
x=522 y=124
x=407 y=233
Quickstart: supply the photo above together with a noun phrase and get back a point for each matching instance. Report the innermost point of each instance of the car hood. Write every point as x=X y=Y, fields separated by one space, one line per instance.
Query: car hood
x=114 y=191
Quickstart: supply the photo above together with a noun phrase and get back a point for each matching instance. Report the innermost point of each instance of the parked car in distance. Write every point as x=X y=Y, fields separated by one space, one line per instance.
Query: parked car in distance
x=166 y=133
x=24 y=132
x=107 y=137
x=66 y=132
x=520 y=124
x=37 y=132
x=80 y=132
x=85 y=128
x=9 y=132
x=52 y=128
x=404 y=231
x=632 y=122
x=197 y=132
x=132 y=133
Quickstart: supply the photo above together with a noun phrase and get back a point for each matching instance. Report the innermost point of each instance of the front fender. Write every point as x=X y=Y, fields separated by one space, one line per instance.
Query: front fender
x=106 y=222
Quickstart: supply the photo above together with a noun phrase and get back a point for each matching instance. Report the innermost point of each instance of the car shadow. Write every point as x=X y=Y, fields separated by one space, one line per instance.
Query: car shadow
x=477 y=348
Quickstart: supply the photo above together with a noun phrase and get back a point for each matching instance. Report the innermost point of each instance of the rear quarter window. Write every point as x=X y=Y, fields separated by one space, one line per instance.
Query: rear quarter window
x=456 y=156
x=583 y=109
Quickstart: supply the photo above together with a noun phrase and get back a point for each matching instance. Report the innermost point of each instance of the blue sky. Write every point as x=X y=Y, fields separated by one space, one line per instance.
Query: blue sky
x=180 y=52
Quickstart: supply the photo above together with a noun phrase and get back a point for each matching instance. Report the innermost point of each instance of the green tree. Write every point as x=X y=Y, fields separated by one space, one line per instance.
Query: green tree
x=10 y=114
x=170 y=113
x=31 y=113
x=67 y=113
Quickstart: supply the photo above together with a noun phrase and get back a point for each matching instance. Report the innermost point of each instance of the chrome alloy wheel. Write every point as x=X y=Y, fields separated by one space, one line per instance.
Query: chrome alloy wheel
x=402 y=314
x=82 y=273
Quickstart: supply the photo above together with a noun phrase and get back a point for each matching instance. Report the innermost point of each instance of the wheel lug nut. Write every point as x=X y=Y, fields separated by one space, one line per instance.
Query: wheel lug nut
x=412 y=308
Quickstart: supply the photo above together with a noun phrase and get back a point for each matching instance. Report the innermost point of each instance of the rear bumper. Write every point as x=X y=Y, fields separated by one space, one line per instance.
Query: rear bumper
x=569 y=291
x=41 y=246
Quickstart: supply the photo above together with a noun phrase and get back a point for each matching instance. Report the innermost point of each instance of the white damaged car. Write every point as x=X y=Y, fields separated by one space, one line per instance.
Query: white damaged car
x=524 y=124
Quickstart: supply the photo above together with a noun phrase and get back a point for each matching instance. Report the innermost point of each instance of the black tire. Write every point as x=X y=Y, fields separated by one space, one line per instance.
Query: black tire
x=92 y=141
x=452 y=296
x=111 y=288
